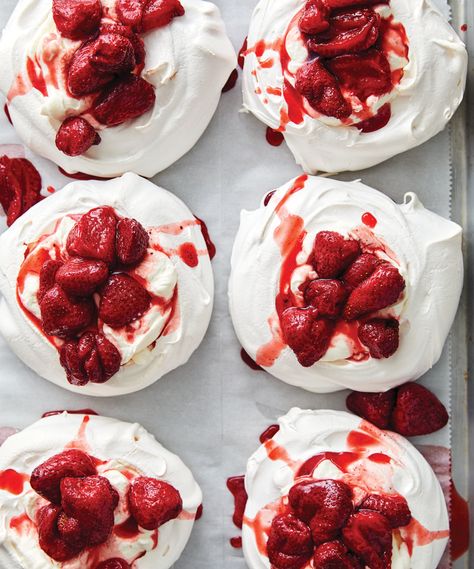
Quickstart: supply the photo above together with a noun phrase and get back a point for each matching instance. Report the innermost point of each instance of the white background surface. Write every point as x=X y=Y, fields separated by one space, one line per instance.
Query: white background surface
x=212 y=410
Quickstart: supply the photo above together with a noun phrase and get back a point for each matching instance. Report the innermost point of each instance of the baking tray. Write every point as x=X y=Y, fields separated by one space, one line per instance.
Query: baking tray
x=212 y=410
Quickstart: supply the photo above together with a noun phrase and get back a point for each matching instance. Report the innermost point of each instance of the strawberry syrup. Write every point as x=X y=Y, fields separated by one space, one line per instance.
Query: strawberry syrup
x=70 y=411
x=274 y=137
x=459 y=522
x=252 y=364
x=269 y=433
x=12 y=481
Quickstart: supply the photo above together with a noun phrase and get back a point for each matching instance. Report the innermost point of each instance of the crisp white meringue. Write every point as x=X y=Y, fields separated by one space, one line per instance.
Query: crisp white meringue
x=124 y=447
x=272 y=469
x=171 y=224
x=425 y=248
x=188 y=62
x=423 y=102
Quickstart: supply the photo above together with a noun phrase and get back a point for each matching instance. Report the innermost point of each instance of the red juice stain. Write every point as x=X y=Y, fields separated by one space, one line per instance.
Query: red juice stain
x=7 y=113
x=236 y=542
x=380 y=458
x=268 y=197
x=79 y=175
x=207 y=238
x=50 y=190
x=269 y=433
x=36 y=76
x=360 y=441
x=236 y=486
x=464 y=28
x=459 y=524
x=188 y=254
x=369 y=220
x=12 y=481
x=378 y=121
x=340 y=459
x=252 y=364
x=230 y=83
x=127 y=530
x=274 y=137
x=241 y=58
x=18 y=522
x=199 y=512
x=70 y=411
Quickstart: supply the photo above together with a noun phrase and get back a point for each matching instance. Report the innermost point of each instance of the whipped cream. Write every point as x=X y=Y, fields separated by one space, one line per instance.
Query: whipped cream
x=425 y=248
x=272 y=470
x=151 y=350
x=191 y=52
x=422 y=103
x=127 y=450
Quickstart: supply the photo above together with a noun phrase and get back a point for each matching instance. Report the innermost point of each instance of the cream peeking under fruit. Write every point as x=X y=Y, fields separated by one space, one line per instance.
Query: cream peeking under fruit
x=107 y=86
x=347 y=82
x=107 y=285
x=328 y=487
x=89 y=492
x=348 y=288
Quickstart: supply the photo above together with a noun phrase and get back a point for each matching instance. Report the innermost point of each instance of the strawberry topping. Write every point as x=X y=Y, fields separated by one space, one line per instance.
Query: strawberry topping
x=334 y=555
x=360 y=270
x=123 y=300
x=48 y=277
x=46 y=478
x=63 y=315
x=113 y=53
x=49 y=537
x=289 y=543
x=81 y=277
x=147 y=15
x=332 y=254
x=315 y=17
x=75 y=136
x=376 y=408
x=394 y=508
x=93 y=236
x=369 y=536
x=77 y=20
x=380 y=336
x=131 y=241
x=114 y=563
x=327 y=296
x=153 y=502
x=82 y=77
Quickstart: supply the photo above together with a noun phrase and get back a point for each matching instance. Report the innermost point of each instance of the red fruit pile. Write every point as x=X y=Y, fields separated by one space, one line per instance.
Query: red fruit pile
x=322 y=524
x=351 y=286
x=98 y=244
x=410 y=410
x=20 y=186
x=346 y=38
x=108 y=64
x=81 y=509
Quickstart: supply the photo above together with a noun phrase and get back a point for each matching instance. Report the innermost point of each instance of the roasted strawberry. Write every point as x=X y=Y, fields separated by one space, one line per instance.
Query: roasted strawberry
x=114 y=563
x=335 y=4
x=47 y=277
x=124 y=100
x=65 y=316
x=315 y=17
x=334 y=555
x=350 y=31
x=332 y=254
x=20 y=186
x=324 y=504
x=289 y=543
x=93 y=236
x=81 y=277
x=153 y=502
x=123 y=300
x=113 y=53
x=327 y=296
x=159 y=13
x=381 y=336
x=82 y=77
x=363 y=74
x=394 y=507
x=376 y=408
x=77 y=20
x=46 y=478
x=130 y=12
x=49 y=538
x=91 y=501
x=91 y=358
x=418 y=411
x=378 y=121
x=383 y=288
x=71 y=532
x=75 y=136
x=369 y=536
x=131 y=241
x=321 y=89
x=306 y=334
x=360 y=270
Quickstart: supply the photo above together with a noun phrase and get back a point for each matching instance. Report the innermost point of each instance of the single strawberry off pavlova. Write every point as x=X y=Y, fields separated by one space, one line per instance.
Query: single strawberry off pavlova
x=110 y=86
x=334 y=285
x=332 y=490
x=106 y=286
x=88 y=492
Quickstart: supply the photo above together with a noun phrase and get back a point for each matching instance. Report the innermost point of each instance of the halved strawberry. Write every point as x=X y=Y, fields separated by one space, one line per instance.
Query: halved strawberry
x=381 y=336
x=64 y=316
x=75 y=136
x=376 y=408
x=49 y=538
x=315 y=17
x=47 y=277
x=327 y=296
x=153 y=502
x=81 y=277
x=334 y=555
x=123 y=300
x=393 y=506
x=332 y=254
x=131 y=241
x=369 y=536
x=93 y=236
x=289 y=543
x=159 y=13
x=77 y=20
x=360 y=270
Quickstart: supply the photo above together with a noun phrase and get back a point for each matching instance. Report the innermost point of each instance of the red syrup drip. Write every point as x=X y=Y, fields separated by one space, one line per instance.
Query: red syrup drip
x=252 y=364
x=380 y=458
x=50 y=190
x=70 y=411
x=12 y=481
x=274 y=137
x=127 y=530
x=236 y=542
x=241 y=57
x=36 y=77
x=269 y=433
x=369 y=220
x=188 y=254
x=230 y=83
x=268 y=197
x=464 y=28
x=7 y=113
x=207 y=238
x=80 y=175
x=236 y=486
x=18 y=523
x=459 y=524
x=360 y=442
x=340 y=459
x=378 y=121
x=199 y=513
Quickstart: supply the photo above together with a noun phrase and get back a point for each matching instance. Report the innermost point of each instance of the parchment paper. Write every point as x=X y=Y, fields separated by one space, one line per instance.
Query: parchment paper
x=212 y=410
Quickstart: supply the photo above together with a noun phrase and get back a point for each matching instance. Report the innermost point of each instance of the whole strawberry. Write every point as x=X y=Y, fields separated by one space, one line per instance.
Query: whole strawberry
x=131 y=241
x=327 y=296
x=75 y=136
x=93 y=236
x=289 y=543
x=65 y=316
x=376 y=408
x=332 y=254
x=123 y=300
x=77 y=20
x=334 y=555
x=153 y=502
x=47 y=277
x=393 y=507
x=360 y=270
x=49 y=538
x=381 y=336
x=81 y=277
x=368 y=535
